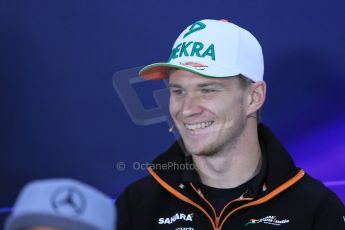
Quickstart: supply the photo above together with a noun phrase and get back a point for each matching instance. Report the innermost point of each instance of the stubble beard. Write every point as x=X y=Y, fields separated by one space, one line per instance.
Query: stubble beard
x=228 y=141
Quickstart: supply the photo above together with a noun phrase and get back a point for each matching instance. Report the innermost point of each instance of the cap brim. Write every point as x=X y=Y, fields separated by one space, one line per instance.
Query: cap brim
x=160 y=71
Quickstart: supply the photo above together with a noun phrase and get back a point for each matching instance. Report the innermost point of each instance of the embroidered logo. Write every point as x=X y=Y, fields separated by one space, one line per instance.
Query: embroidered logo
x=195 y=65
x=195 y=27
x=198 y=49
x=176 y=217
x=272 y=220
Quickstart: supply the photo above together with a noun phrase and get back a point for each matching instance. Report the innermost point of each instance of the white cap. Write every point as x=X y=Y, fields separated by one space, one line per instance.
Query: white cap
x=212 y=48
x=62 y=203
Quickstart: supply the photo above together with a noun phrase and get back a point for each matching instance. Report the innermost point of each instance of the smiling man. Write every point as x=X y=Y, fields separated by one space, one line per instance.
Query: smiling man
x=210 y=115
x=227 y=171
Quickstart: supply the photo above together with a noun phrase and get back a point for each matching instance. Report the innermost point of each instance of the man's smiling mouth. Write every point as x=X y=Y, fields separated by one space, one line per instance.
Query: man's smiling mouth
x=200 y=125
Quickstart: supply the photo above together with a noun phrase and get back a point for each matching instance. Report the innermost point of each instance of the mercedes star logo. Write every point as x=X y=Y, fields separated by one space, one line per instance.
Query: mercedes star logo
x=68 y=200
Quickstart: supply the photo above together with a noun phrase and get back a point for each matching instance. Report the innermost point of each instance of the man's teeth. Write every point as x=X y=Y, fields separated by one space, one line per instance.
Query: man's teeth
x=199 y=125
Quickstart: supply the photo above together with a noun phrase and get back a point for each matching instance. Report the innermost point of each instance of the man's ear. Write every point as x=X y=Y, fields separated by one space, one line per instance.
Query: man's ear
x=256 y=96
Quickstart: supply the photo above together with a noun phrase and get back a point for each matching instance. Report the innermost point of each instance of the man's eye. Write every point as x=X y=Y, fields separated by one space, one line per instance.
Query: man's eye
x=176 y=91
x=207 y=91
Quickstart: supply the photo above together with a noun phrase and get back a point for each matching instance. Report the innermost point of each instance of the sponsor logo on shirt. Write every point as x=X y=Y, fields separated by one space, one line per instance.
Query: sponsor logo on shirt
x=176 y=217
x=271 y=220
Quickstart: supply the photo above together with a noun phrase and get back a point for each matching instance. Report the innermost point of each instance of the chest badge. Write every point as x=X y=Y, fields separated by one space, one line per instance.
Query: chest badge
x=271 y=220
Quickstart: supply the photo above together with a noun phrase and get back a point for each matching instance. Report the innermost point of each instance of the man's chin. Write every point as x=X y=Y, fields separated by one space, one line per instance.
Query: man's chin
x=203 y=149
x=197 y=148
x=198 y=151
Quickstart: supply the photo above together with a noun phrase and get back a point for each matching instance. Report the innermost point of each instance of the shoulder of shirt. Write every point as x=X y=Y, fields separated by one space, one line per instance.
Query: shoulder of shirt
x=315 y=191
x=142 y=189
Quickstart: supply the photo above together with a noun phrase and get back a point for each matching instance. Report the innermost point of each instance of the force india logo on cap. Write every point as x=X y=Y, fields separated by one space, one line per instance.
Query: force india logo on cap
x=193 y=48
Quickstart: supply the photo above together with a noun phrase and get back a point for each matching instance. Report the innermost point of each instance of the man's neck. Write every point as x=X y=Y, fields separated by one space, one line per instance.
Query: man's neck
x=233 y=166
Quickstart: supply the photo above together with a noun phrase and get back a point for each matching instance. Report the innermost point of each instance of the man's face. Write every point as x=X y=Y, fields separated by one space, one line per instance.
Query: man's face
x=208 y=112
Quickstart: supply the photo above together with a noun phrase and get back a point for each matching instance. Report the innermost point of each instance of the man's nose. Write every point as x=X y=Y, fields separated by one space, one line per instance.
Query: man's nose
x=191 y=105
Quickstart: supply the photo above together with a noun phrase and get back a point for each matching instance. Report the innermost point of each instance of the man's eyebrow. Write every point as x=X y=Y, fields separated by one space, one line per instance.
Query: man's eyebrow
x=217 y=84
x=201 y=85
x=174 y=85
